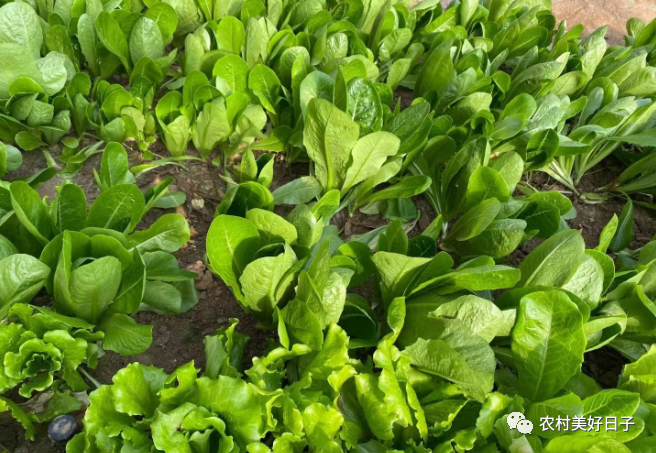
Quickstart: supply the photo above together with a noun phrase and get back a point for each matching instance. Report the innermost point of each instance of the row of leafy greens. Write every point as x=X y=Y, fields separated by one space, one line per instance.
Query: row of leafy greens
x=99 y=269
x=458 y=349
x=495 y=69
x=451 y=340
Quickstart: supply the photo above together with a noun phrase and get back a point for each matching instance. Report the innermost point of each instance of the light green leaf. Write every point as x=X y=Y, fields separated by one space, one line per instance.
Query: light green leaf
x=124 y=336
x=329 y=136
x=547 y=343
x=169 y=233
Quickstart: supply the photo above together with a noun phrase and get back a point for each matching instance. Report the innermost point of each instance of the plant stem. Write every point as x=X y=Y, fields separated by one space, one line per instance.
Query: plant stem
x=90 y=378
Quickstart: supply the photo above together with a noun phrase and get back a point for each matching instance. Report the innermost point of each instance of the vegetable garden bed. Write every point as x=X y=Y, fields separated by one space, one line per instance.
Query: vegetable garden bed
x=414 y=278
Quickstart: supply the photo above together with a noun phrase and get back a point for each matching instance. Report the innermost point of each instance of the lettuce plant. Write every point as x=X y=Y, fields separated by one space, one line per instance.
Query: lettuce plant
x=180 y=411
x=100 y=269
x=118 y=114
x=108 y=45
x=21 y=48
x=450 y=340
x=354 y=165
x=253 y=189
x=244 y=250
x=477 y=188
x=457 y=356
x=42 y=353
x=175 y=126
x=29 y=80
x=42 y=349
x=220 y=117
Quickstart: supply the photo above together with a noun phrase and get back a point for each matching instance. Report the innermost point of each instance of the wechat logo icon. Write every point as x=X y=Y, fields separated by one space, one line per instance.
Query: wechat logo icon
x=516 y=420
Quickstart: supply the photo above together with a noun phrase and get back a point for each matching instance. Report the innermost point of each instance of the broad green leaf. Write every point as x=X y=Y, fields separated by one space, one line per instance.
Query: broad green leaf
x=363 y=103
x=10 y=159
x=553 y=262
x=15 y=65
x=124 y=336
x=398 y=71
x=172 y=298
x=69 y=209
x=436 y=70
x=300 y=190
x=119 y=208
x=239 y=404
x=639 y=376
x=19 y=24
x=135 y=389
x=587 y=282
x=457 y=355
x=264 y=83
x=146 y=40
x=486 y=183
x=272 y=227
x=164 y=15
x=475 y=220
x=31 y=211
x=646 y=138
x=111 y=36
x=541 y=149
x=131 y=292
x=467 y=11
x=93 y=288
x=262 y=282
x=473 y=278
x=329 y=136
x=115 y=166
x=316 y=85
x=397 y=272
x=499 y=239
x=231 y=245
x=367 y=157
x=22 y=278
x=87 y=37
x=303 y=324
x=408 y=187
x=547 y=343
x=211 y=127
x=379 y=416
x=332 y=357
x=481 y=316
x=230 y=34
x=169 y=233
x=411 y=126
x=234 y=72
x=7 y=248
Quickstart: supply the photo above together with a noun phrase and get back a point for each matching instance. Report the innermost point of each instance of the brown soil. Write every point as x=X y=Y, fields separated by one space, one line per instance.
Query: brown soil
x=405 y=95
x=592 y=218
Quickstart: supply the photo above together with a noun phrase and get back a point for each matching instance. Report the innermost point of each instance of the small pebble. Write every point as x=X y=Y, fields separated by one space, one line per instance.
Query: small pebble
x=62 y=428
